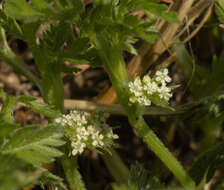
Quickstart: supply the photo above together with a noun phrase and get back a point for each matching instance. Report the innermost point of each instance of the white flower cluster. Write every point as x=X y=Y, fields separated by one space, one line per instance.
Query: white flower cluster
x=86 y=130
x=145 y=91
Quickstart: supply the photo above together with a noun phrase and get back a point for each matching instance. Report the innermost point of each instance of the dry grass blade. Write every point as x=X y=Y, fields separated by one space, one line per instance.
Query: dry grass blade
x=195 y=12
x=172 y=57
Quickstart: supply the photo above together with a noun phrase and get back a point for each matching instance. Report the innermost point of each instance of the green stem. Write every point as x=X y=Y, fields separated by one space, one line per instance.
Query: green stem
x=115 y=66
x=53 y=94
x=116 y=166
x=155 y=144
x=7 y=55
x=7 y=108
x=72 y=174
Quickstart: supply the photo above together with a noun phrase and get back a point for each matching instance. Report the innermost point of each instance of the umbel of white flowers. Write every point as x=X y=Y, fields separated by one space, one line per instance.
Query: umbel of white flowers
x=144 y=91
x=86 y=130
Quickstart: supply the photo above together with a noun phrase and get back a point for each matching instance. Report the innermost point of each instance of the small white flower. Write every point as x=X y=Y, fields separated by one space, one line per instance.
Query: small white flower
x=101 y=136
x=74 y=152
x=151 y=88
x=133 y=99
x=93 y=136
x=136 y=87
x=58 y=120
x=109 y=135
x=115 y=136
x=69 y=123
x=143 y=91
x=162 y=76
x=81 y=149
x=79 y=137
x=101 y=143
x=86 y=130
x=94 y=143
x=146 y=79
x=146 y=102
x=164 y=93
x=78 y=147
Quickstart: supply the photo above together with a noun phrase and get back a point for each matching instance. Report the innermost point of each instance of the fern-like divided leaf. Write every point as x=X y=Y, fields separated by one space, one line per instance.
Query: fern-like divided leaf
x=35 y=144
x=39 y=107
x=13 y=167
x=138 y=177
x=51 y=180
x=138 y=181
x=207 y=163
x=21 y=174
x=219 y=9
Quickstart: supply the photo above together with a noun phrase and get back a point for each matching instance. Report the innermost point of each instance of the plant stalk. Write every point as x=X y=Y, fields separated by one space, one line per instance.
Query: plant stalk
x=53 y=94
x=70 y=166
x=115 y=67
x=116 y=166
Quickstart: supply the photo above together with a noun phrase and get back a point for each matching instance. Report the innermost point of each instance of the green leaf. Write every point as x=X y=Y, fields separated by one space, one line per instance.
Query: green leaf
x=153 y=8
x=2 y=95
x=217 y=70
x=138 y=181
x=137 y=177
x=147 y=36
x=202 y=82
x=184 y=59
x=132 y=21
x=21 y=174
x=90 y=57
x=40 y=107
x=7 y=109
x=171 y=17
x=52 y=39
x=20 y=9
x=195 y=76
x=52 y=181
x=41 y=10
x=66 y=69
x=53 y=87
x=35 y=144
x=207 y=163
x=6 y=128
x=130 y=48
x=14 y=168
x=161 y=102
x=10 y=25
x=219 y=9
x=39 y=4
x=29 y=32
x=76 y=48
x=159 y=10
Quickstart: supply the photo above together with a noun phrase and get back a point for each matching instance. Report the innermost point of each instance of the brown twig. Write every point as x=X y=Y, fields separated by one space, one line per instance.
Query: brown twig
x=115 y=108
x=71 y=104
x=172 y=57
x=200 y=25
x=193 y=14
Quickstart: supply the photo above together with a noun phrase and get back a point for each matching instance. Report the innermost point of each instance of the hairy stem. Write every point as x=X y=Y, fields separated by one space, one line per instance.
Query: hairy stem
x=53 y=94
x=155 y=144
x=72 y=174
